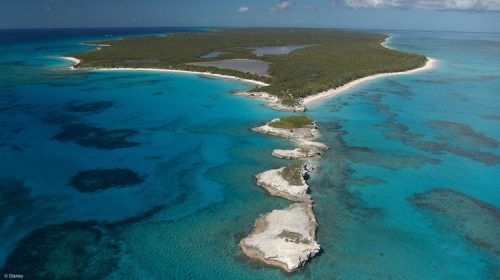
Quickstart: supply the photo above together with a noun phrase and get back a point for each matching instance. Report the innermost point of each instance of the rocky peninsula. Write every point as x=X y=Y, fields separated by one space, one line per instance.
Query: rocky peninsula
x=287 y=238
x=274 y=102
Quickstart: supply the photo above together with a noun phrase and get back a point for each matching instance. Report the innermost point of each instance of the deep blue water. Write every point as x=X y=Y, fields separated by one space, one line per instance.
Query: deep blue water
x=13 y=36
x=193 y=148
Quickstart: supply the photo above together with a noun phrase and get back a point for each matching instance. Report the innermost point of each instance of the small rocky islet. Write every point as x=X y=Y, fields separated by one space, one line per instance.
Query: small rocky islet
x=305 y=150
x=287 y=238
x=284 y=238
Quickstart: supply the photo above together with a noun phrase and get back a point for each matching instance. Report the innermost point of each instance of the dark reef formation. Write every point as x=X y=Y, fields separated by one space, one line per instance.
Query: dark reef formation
x=15 y=198
x=477 y=221
x=90 y=107
x=100 y=138
x=95 y=180
x=71 y=250
x=463 y=134
x=450 y=137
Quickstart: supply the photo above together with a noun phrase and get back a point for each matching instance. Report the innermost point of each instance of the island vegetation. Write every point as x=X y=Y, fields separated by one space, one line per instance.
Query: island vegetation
x=292 y=122
x=293 y=175
x=332 y=57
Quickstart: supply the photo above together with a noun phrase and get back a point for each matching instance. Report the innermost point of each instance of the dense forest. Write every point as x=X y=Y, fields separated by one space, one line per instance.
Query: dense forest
x=333 y=58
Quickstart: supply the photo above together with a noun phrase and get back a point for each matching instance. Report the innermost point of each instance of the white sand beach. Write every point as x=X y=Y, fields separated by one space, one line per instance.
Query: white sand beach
x=208 y=74
x=72 y=59
x=431 y=63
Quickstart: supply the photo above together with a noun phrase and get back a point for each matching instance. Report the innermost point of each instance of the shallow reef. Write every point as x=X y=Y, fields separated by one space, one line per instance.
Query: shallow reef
x=60 y=118
x=95 y=180
x=463 y=134
x=477 y=221
x=15 y=198
x=100 y=138
x=451 y=137
x=94 y=107
x=73 y=250
x=491 y=117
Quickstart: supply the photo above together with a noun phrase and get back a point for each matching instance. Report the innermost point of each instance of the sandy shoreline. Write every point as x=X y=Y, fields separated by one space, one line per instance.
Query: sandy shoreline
x=334 y=92
x=72 y=59
x=259 y=83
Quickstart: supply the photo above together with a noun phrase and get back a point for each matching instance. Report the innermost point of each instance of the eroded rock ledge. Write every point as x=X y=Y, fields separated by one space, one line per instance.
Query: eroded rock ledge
x=273 y=102
x=287 y=182
x=305 y=150
x=284 y=238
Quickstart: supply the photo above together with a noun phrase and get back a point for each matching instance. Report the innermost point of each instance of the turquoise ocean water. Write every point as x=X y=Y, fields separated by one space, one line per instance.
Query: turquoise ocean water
x=189 y=140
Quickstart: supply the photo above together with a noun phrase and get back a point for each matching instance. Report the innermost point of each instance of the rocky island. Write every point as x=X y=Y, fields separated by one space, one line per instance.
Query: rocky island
x=287 y=238
x=284 y=238
x=297 y=127
x=305 y=150
x=287 y=182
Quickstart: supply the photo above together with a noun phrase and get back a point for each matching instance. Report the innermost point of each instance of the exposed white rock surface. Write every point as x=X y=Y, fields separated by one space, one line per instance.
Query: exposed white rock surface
x=296 y=153
x=273 y=181
x=310 y=167
x=284 y=238
x=279 y=106
x=306 y=150
x=273 y=102
x=260 y=95
x=311 y=145
x=309 y=132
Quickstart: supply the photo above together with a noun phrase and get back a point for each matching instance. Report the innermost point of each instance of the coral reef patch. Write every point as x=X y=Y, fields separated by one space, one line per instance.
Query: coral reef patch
x=99 y=138
x=71 y=250
x=95 y=180
x=94 y=107
x=477 y=221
